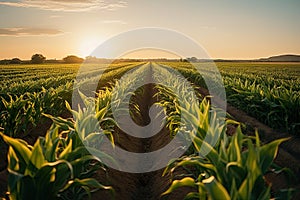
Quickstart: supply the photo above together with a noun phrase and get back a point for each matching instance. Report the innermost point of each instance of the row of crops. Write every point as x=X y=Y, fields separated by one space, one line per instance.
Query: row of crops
x=62 y=164
x=235 y=165
x=269 y=92
x=34 y=90
x=58 y=165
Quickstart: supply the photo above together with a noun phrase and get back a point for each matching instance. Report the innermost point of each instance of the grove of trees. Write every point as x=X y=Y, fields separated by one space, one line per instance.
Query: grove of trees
x=38 y=59
x=73 y=59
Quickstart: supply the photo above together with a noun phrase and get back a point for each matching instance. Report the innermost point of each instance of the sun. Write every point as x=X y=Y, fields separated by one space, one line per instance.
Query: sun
x=88 y=44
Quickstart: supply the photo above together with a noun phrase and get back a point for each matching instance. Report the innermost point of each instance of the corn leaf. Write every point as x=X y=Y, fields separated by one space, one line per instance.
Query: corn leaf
x=187 y=181
x=215 y=189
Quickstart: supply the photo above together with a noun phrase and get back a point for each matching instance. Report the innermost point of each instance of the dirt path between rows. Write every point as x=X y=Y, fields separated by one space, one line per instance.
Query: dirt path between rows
x=137 y=186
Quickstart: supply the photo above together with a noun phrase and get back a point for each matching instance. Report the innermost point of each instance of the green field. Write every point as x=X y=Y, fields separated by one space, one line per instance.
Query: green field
x=59 y=164
x=270 y=92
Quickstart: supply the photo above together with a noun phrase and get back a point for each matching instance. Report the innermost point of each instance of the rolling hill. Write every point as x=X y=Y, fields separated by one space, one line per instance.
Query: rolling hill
x=282 y=58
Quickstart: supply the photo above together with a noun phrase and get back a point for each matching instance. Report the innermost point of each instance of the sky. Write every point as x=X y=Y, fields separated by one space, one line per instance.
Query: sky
x=228 y=29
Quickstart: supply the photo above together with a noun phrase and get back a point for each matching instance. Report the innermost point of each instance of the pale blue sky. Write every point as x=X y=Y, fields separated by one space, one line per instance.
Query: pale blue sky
x=226 y=29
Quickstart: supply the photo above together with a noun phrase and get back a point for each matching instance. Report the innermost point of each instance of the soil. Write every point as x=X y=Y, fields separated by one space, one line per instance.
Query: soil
x=136 y=186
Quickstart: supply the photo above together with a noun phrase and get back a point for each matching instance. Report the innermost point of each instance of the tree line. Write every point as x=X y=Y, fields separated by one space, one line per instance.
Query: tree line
x=39 y=59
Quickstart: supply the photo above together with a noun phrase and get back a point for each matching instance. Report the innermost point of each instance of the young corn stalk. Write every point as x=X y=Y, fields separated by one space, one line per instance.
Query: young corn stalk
x=234 y=167
x=59 y=165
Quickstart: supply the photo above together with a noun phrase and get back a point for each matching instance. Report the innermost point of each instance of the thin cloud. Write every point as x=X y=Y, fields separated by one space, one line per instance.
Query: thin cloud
x=208 y=27
x=55 y=16
x=28 y=31
x=68 y=5
x=113 y=22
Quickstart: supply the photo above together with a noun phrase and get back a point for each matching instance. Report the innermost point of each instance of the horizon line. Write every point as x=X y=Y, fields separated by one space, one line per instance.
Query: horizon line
x=167 y=58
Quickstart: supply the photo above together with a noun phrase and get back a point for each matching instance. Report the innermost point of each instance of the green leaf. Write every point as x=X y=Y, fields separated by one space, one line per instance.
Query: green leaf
x=206 y=166
x=44 y=179
x=37 y=158
x=54 y=175
x=192 y=195
x=233 y=190
x=21 y=150
x=102 y=156
x=27 y=188
x=66 y=151
x=235 y=146
x=235 y=171
x=215 y=189
x=268 y=153
x=253 y=173
x=187 y=181
x=90 y=182
x=13 y=161
x=87 y=184
x=13 y=180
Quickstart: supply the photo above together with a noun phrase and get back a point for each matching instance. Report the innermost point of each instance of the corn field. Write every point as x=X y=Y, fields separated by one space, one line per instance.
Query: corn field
x=65 y=161
x=269 y=92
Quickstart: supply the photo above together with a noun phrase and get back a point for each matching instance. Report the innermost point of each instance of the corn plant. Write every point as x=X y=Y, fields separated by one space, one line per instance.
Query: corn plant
x=60 y=165
x=268 y=92
x=90 y=124
x=276 y=106
x=234 y=169
x=186 y=112
x=27 y=96
x=47 y=170
x=16 y=115
x=234 y=166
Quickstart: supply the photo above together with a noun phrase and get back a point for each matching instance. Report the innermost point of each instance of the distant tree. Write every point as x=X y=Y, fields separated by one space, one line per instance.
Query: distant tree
x=90 y=59
x=4 y=62
x=15 y=61
x=52 y=61
x=192 y=59
x=37 y=59
x=73 y=59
